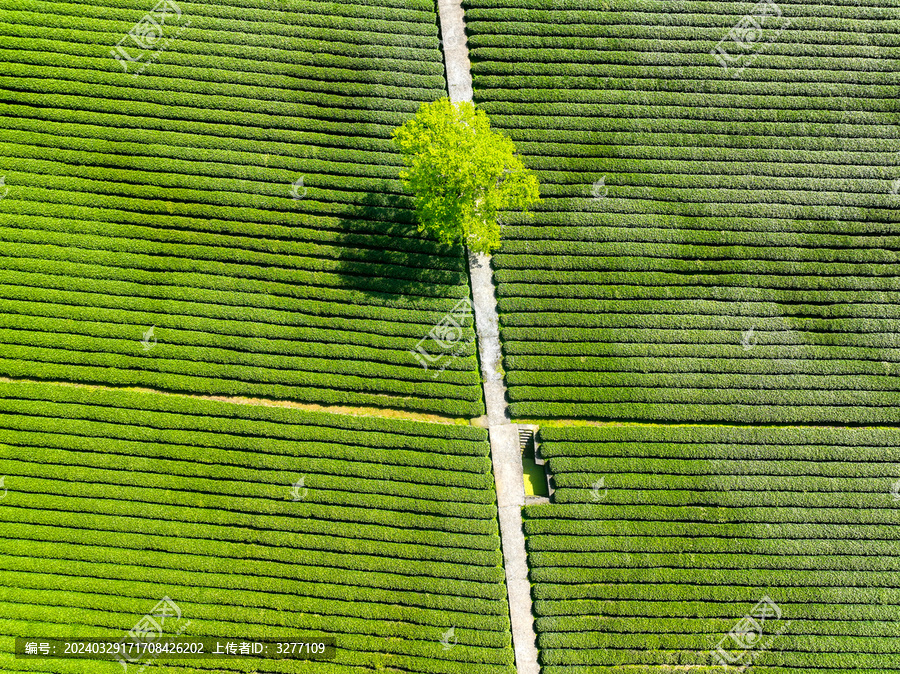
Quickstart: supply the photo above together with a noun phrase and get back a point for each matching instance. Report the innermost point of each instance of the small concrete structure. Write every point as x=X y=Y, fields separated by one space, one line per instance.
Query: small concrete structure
x=528 y=436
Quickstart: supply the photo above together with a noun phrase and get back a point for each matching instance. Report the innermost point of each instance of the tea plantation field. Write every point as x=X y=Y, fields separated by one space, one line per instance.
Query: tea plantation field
x=115 y=500
x=211 y=205
x=662 y=540
x=715 y=244
x=200 y=199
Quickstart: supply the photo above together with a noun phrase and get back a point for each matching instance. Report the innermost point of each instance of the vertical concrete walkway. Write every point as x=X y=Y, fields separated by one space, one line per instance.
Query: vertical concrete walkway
x=456 y=54
x=504 y=436
x=508 y=476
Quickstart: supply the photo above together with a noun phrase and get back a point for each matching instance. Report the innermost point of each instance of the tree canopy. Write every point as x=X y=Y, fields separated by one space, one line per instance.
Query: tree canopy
x=462 y=173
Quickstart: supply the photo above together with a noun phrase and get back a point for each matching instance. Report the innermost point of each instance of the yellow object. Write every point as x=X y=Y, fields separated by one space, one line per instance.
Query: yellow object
x=535 y=478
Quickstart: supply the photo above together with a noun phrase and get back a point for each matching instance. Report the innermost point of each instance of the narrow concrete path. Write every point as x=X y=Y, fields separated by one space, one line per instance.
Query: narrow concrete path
x=456 y=53
x=504 y=436
x=507 y=463
x=487 y=327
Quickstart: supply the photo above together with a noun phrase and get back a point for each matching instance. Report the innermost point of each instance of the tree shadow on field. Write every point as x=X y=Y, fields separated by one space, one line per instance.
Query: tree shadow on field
x=386 y=257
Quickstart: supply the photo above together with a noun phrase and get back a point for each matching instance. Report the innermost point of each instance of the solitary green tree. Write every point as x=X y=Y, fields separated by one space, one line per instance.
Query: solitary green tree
x=462 y=174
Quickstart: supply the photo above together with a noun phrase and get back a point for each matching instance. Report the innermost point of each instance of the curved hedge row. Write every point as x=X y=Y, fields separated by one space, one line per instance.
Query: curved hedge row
x=388 y=350
x=135 y=257
x=655 y=328
x=127 y=562
x=825 y=364
x=760 y=411
x=180 y=360
x=303 y=12
x=319 y=242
